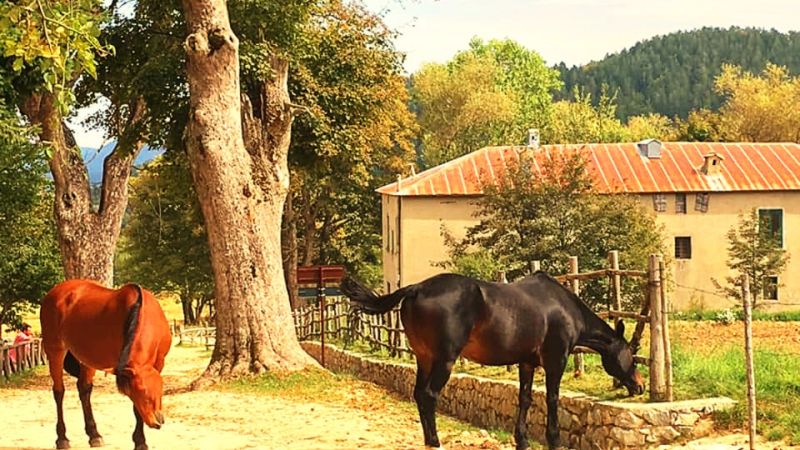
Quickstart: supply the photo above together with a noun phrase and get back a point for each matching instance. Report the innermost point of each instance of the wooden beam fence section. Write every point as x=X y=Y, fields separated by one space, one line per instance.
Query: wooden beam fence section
x=26 y=356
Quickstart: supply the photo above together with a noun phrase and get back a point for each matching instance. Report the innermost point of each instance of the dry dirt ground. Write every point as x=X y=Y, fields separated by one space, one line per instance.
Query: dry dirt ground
x=213 y=419
x=368 y=418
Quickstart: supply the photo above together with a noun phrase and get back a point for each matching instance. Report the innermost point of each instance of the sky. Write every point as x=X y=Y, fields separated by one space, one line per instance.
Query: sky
x=573 y=31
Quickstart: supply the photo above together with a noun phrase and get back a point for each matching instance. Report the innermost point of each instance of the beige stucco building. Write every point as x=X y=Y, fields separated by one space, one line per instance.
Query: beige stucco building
x=697 y=191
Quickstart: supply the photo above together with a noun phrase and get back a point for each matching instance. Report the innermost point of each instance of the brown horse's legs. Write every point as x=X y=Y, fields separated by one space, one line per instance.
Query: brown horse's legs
x=554 y=370
x=138 y=432
x=55 y=360
x=440 y=373
x=85 y=393
x=525 y=385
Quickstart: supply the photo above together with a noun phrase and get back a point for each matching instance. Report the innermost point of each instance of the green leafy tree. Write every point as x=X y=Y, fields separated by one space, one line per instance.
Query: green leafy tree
x=357 y=133
x=164 y=244
x=674 y=74
x=487 y=95
x=752 y=251
x=583 y=121
x=759 y=108
x=547 y=209
x=46 y=47
x=29 y=260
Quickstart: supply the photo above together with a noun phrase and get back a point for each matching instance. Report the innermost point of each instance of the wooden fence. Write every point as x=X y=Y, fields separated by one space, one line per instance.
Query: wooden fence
x=333 y=318
x=29 y=354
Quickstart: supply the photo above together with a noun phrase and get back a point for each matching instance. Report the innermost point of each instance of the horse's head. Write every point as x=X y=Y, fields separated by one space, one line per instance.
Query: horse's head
x=144 y=387
x=618 y=362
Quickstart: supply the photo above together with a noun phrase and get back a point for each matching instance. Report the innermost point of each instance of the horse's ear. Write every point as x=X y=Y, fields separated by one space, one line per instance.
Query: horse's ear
x=620 y=329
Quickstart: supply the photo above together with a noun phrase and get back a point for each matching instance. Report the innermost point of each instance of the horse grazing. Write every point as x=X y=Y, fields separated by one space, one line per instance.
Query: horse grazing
x=87 y=327
x=535 y=322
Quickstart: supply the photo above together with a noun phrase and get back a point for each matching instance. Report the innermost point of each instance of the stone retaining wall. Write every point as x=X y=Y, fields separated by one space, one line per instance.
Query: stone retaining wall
x=585 y=422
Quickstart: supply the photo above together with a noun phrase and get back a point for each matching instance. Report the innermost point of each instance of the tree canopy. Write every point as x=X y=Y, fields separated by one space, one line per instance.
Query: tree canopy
x=490 y=94
x=674 y=74
x=29 y=259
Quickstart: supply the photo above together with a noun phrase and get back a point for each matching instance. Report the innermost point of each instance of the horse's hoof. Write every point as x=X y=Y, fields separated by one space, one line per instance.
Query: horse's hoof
x=140 y=447
x=62 y=443
x=96 y=442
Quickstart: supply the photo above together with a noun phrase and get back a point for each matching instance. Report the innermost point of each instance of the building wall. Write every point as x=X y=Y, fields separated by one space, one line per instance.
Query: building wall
x=422 y=245
x=692 y=286
x=391 y=242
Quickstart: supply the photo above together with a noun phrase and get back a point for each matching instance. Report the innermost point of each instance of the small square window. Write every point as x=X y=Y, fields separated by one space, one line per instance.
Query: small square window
x=660 y=202
x=701 y=202
x=683 y=247
x=770 y=288
x=680 y=203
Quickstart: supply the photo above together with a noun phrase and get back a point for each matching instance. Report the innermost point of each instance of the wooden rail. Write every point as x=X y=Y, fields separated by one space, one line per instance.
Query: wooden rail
x=29 y=354
x=198 y=335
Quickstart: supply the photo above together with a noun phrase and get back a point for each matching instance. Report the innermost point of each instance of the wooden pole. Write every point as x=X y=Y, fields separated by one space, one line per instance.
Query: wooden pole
x=657 y=382
x=321 y=293
x=616 y=280
x=748 y=355
x=665 y=331
x=576 y=289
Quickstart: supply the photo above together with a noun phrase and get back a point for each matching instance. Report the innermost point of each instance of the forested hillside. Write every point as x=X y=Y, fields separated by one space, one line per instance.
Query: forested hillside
x=674 y=74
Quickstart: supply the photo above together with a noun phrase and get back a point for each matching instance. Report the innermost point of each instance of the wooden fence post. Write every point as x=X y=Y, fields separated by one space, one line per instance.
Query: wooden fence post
x=657 y=382
x=616 y=280
x=748 y=355
x=665 y=331
x=576 y=289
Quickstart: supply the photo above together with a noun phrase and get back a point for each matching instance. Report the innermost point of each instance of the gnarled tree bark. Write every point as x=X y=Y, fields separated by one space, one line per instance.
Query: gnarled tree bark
x=86 y=237
x=237 y=145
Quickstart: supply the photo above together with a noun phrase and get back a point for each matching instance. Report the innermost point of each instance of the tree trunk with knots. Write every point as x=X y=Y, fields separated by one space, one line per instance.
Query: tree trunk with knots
x=237 y=145
x=87 y=237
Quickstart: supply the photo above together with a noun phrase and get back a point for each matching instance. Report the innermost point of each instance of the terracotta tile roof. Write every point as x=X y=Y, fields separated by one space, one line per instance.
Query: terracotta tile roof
x=621 y=167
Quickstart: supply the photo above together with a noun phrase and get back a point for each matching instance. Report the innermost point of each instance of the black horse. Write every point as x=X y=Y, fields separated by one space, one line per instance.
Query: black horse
x=533 y=322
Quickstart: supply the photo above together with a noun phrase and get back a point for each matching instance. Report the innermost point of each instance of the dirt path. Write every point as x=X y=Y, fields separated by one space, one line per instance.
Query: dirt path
x=224 y=419
x=343 y=415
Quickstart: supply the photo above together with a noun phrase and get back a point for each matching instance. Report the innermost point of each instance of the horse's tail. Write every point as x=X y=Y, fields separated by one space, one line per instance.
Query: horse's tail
x=71 y=365
x=366 y=300
x=129 y=330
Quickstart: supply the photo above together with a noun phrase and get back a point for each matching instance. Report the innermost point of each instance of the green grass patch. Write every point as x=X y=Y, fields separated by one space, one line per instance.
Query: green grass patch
x=22 y=379
x=722 y=373
x=719 y=315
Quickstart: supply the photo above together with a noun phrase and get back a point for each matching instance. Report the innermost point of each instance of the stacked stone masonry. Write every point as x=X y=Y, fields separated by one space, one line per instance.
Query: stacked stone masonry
x=585 y=422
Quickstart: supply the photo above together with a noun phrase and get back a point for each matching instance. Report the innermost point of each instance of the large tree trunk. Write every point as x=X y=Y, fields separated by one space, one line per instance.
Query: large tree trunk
x=241 y=191
x=289 y=251
x=87 y=238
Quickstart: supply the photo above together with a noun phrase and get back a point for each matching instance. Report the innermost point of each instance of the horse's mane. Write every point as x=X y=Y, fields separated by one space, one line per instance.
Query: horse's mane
x=129 y=330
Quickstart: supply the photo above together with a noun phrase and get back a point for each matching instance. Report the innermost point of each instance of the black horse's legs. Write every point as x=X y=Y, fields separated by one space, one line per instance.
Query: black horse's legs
x=138 y=433
x=419 y=398
x=525 y=385
x=554 y=370
x=85 y=393
x=440 y=373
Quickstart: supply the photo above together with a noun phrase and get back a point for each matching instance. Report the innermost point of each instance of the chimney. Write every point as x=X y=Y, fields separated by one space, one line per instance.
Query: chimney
x=533 y=138
x=711 y=163
x=649 y=148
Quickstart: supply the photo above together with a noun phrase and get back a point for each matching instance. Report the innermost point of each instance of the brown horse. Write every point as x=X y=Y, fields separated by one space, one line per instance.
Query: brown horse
x=87 y=327
x=533 y=322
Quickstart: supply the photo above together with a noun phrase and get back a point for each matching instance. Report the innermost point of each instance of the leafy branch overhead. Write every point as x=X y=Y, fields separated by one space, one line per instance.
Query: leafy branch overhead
x=53 y=43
